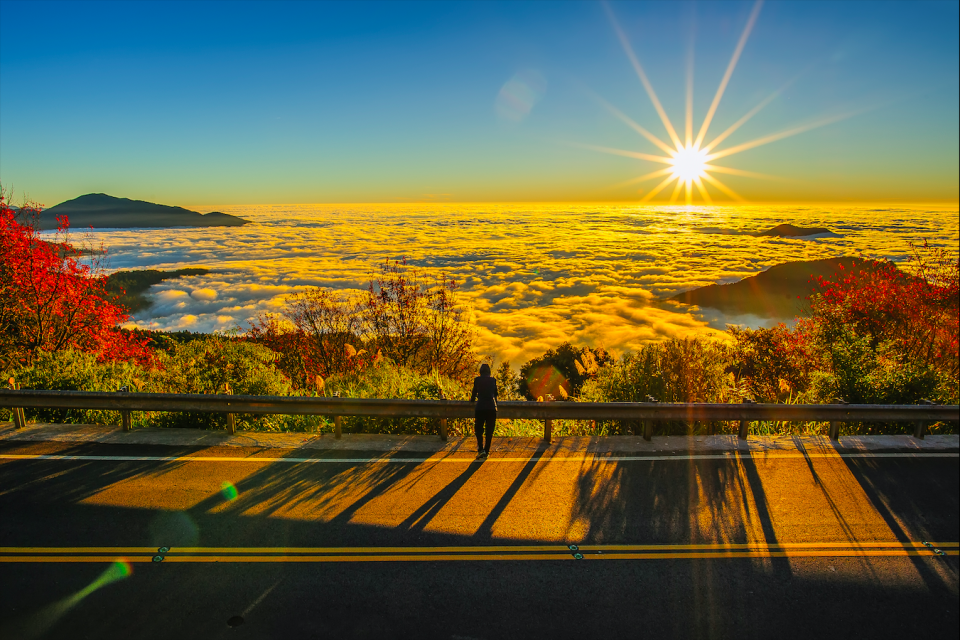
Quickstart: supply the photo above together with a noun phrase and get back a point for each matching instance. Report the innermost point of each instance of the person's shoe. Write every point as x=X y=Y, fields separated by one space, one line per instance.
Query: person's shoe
x=482 y=455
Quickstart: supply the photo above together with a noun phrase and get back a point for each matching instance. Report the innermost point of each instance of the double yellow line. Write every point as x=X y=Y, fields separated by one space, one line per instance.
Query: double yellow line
x=479 y=553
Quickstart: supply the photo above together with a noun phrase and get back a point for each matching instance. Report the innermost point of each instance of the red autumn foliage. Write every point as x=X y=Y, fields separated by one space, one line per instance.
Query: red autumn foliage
x=773 y=363
x=50 y=300
x=419 y=323
x=403 y=317
x=916 y=312
x=317 y=337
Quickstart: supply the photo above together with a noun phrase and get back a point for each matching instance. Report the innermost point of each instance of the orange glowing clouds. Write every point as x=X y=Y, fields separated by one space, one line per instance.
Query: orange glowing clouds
x=535 y=275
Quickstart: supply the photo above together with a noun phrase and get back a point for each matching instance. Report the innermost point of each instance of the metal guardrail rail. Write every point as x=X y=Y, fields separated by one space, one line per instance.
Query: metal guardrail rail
x=648 y=412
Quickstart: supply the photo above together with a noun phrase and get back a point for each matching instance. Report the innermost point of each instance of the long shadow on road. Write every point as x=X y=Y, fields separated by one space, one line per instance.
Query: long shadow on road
x=395 y=504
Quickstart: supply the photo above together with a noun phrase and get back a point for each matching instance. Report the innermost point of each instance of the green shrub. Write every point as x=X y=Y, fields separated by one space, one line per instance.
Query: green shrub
x=680 y=370
x=217 y=364
x=388 y=380
x=560 y=372
x=771 y=365
x=71 y=370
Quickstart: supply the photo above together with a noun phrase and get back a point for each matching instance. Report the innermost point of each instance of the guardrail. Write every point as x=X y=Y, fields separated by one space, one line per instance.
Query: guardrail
x=648 y=412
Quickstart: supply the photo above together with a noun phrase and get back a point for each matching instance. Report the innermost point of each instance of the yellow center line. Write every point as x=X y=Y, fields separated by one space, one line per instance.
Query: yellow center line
x=237 y=554
x=762 y=545
x=840 y=553
x=507 y=548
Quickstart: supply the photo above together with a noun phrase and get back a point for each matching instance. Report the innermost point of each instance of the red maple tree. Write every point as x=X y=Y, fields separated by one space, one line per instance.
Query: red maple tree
x=916 y=312
x=52 y=300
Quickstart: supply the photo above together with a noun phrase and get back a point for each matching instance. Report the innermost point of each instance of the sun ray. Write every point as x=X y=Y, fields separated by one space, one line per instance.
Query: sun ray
x=676 y=191
x=740 y=172
x=624 y=152
x=688 y=124
x=722 y=187
x=643 y=76
x=633 y=125
x=773 y=137
x=703 y=191
x=690 y=165
x=657 y=189
x=739 y=123
x=644 y=178
x=726 y=76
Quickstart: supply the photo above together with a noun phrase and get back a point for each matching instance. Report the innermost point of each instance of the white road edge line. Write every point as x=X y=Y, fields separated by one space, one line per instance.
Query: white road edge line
x=756 y=456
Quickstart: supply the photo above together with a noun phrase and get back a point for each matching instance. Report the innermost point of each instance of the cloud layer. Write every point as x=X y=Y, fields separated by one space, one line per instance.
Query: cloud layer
x=536 y=275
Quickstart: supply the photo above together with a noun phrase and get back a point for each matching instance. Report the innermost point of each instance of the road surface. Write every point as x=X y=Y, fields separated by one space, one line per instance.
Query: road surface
x=132 y=541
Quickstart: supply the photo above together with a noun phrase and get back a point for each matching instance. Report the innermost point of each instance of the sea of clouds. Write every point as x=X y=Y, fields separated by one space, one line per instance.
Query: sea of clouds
x=535 y=275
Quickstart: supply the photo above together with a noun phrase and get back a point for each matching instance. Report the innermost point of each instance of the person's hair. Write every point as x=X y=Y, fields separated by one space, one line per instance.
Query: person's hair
x=485 y=369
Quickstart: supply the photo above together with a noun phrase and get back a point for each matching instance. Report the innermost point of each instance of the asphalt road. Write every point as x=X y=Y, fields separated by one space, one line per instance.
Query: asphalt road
x=261 y=544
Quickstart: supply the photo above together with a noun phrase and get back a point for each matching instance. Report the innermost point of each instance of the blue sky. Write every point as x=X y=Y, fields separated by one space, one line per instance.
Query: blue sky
x=218 y=103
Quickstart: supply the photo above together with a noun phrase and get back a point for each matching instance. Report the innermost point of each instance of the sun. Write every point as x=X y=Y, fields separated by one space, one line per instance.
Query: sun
x=690 y=161
x=689 y=164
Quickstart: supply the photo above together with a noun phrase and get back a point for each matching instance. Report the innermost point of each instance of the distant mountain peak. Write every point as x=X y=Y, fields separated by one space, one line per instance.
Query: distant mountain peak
x=787 y=230
x=779 y=292
x=100 y=210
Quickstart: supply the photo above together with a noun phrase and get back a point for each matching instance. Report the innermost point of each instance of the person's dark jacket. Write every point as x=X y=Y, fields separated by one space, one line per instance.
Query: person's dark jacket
x=484 y=393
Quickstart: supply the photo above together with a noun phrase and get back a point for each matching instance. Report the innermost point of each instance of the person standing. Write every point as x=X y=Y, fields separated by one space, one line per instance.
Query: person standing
x=485 y=413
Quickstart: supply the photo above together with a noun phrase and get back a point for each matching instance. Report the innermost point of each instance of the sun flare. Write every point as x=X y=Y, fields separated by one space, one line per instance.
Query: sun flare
x=689 y=163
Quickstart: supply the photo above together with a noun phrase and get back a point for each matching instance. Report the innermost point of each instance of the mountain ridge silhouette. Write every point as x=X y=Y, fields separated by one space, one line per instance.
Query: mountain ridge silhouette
x=772 y=293
x=106 y=211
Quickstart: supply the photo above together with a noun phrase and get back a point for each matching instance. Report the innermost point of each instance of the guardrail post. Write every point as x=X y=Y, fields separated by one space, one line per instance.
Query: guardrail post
x=231 y=422
x=744 y=424
x=835 y=430
x=336 y=420
x=648 y=424
x=19 y=419
x=443 y=421
x=835 y=424
x=548 y=424
x=920 y=426
x=126 y=422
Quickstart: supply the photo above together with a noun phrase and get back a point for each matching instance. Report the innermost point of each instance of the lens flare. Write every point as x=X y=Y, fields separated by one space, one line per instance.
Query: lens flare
x=40 y=622
x=520 y=94
x=228 y=491
x=545 y=380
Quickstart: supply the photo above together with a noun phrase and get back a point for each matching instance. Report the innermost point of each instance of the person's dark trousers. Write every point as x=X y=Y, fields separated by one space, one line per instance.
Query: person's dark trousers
x=486 y=419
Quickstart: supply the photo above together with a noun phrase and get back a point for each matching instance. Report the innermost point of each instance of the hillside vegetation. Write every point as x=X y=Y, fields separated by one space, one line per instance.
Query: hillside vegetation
x=130 y=287
x=874 y=334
